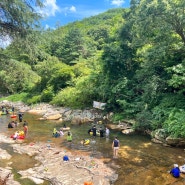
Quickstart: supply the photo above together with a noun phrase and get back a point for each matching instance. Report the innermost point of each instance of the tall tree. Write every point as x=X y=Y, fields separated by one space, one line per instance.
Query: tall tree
x=71 y=47
x=18 y=17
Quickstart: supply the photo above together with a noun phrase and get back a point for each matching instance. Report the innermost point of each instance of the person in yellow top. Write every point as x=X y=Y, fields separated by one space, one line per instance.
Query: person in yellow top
x=56 y=133
x=69 y=136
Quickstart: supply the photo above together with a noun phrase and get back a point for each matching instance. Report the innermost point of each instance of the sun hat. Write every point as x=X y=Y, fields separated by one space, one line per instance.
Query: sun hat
x=176 y=165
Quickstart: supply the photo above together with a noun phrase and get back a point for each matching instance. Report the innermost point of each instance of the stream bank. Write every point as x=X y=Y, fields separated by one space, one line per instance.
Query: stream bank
x=140 y=161
x=50 y=167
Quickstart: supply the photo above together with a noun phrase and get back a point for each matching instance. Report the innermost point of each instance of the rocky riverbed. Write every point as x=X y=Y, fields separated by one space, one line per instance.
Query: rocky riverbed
x=50 y=166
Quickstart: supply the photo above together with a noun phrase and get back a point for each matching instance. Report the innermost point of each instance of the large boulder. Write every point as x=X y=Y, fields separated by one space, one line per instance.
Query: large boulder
x=114 y=127
x=54 y=117
x=80 y=120
x=37 y=111
x=159 y=134
x=76 y=120
x=128 y=131
x=175 y=141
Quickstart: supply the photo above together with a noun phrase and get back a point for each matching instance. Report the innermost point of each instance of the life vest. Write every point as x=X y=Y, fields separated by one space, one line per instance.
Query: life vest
x=69 y=138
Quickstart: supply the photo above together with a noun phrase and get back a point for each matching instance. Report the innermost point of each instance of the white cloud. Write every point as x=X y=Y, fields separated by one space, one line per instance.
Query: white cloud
x=50 y=8
x=117 y=2
x=69 y=10
x=46 y=26
x=72 y=9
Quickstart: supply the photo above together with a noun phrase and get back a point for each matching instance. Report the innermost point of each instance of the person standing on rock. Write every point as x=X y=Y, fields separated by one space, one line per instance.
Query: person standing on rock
x=115 y=147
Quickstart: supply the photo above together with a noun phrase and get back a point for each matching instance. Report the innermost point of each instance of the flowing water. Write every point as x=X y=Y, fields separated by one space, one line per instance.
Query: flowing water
x=140 y=161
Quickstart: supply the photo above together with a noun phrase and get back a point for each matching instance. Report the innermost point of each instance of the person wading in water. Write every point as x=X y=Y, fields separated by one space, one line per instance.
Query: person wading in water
x=115 y=147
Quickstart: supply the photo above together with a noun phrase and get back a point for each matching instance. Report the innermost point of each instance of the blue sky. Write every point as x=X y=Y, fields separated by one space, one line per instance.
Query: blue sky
x=61 y=12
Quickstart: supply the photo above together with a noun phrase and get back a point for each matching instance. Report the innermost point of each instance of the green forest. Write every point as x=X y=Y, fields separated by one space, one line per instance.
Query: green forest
x=131 y=59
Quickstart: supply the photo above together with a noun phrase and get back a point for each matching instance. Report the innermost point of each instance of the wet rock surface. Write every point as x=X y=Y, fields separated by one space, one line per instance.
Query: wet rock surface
x=52 y=168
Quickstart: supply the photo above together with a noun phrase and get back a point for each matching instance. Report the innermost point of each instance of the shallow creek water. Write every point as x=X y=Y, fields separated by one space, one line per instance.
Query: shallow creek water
x=140 y=161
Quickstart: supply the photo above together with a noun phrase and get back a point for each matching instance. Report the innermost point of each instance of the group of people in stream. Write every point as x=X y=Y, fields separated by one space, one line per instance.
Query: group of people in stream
x=21 y=134
x=18 y=134
x=6 y=110
x=94 y=131
x=99 y=132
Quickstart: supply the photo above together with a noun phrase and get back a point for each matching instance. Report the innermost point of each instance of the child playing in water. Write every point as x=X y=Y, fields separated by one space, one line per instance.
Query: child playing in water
x=16 y=135
x=69 y=136
x=61 y=132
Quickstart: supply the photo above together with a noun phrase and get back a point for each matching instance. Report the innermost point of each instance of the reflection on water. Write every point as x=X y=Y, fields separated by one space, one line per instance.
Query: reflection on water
x=140 y=161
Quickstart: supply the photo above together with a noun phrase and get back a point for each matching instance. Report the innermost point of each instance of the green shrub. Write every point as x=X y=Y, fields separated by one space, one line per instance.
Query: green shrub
x=117 y=117
x=47 y=94
x=16 y=97
x=144 y=120
x=67 y=97
x=35 y=99
x=175 y=123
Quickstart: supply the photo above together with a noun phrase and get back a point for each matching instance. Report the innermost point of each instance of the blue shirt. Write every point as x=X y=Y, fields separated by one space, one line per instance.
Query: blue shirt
x=175 y=172
x=65 y=158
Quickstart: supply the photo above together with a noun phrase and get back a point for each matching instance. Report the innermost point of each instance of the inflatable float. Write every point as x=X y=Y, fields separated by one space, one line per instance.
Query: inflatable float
x=85 y=142
x=65 y=128
x=3 y=113
x=18 y=135
x=88 y=183
x=97 y=133
x=13 y=116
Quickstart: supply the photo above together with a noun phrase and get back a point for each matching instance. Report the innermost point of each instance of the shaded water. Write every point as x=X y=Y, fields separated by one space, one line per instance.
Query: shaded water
x=140 y=161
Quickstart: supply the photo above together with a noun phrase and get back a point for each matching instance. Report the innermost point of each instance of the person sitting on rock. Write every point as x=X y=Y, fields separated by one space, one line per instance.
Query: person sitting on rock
x=65 y=158
x=175 y=171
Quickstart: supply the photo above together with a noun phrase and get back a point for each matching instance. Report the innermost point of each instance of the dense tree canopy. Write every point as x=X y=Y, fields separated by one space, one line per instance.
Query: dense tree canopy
x=131 y=59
